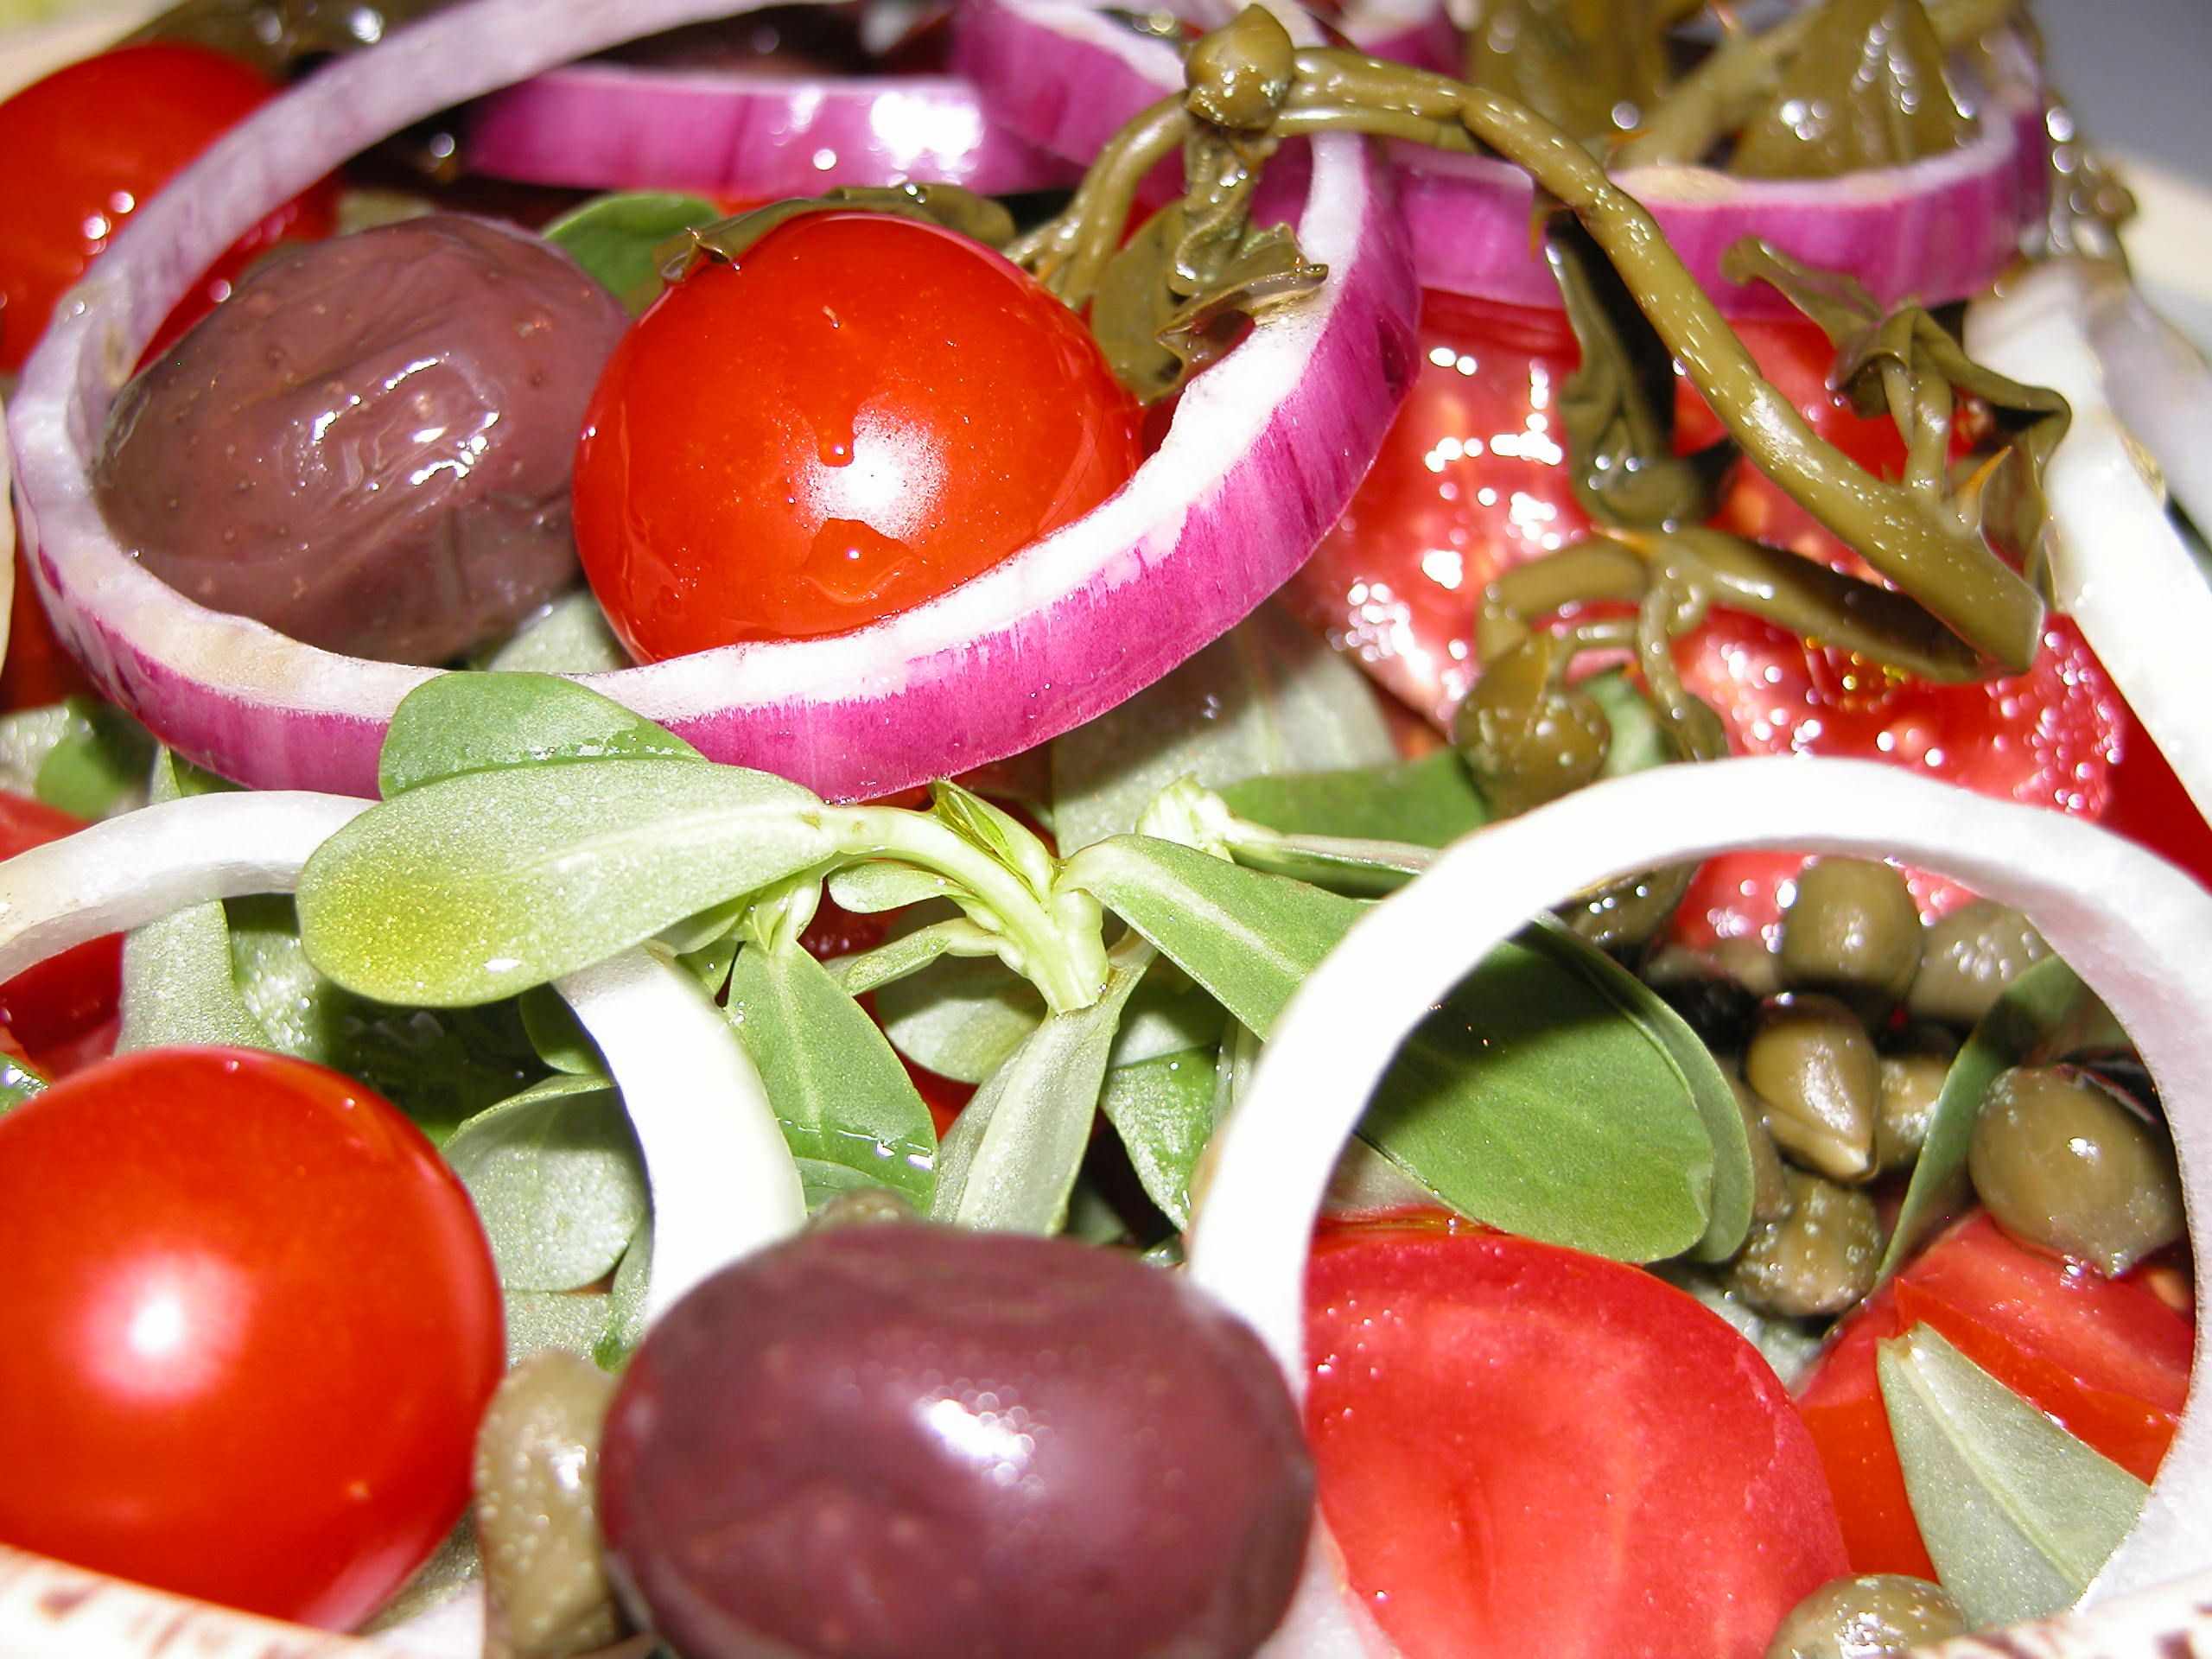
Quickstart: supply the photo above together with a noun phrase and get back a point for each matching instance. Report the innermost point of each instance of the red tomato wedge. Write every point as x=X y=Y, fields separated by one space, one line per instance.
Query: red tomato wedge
x=1526 y=1450
x=2106 y=1358
x=63 y=1011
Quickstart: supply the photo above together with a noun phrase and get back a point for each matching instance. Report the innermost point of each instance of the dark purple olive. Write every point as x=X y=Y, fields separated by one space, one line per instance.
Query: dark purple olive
x=368 y=446
x=914 y=1442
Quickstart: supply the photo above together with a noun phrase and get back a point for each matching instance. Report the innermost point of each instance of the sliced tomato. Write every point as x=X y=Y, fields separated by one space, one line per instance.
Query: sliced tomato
x=62 y=1011
x=2107 y=1358
x=1523 y=1449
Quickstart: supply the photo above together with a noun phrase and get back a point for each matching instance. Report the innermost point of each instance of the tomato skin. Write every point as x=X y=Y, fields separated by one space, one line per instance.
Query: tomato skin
x=2106 y=1358
x=858 y=414
x=1526 y=1450
x=253 y=1322
x=92 y=142
x=62 y=1011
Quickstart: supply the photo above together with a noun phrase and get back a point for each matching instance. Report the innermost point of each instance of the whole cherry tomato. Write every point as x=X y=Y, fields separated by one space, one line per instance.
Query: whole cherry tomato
x=859 y=413
x=1523 y=1449
x=63 y=1010
x=2106 y=1358
x=89 y=145
x=252 y=1322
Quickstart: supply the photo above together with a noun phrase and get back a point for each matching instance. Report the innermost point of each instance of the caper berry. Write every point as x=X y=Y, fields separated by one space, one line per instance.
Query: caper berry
x=1910 y=1086
x=2066 y=1163
x=536 y=1510
x=1969 y=957
x=1821 y=1258
x=1868 y=1618
x=1812 y=1065
x=1852 y=930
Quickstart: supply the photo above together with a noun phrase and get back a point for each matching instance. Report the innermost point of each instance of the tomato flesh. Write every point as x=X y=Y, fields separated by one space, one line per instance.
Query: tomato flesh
x=856 y=415
x=89 y=145
x=2107 y=1358
x=1523 y=1449
x=252 y=1325
x=62 y=1011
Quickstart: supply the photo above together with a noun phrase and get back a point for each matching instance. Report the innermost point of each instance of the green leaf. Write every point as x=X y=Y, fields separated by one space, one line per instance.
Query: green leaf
x=480 y=885
x=574 y=1322
x=570 y=636
x=626 y=1310
x=996 y=833
x=558 y=1182
x=1363 y=869
x=459 y=724
x=2018 y=1514
x=963 y=1019
x=2037 y=1017
x=1163 y=1109
x=1267 y=698
x=907 y=954
x=838 y=1090
x=1430 y=802
x=617 y=238
x=1542 y=1099
x=870 y=889
x=98 y=764
x=557 y=1035
x=1009 y=1161
x=18 y=1083
x=1248 y=937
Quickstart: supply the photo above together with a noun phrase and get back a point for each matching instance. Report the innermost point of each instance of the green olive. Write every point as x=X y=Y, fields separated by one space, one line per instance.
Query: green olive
x=1870 y=1617
x=2066 y=1163
x=1813 y=1066
x=1852 y=929
x=1770 y=1195
x=536 y=1510
x=1969 y=957
x=1910 y=1086
x=1818 y=1259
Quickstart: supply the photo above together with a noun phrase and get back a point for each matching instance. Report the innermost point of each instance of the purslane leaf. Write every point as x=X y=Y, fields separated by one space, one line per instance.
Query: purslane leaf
x=1163 y=1109
x=1430 y=802
x=461 y=723
x=962 y=1019
x=478 y=887
x=2018 y=1514
x=837 y=1089
x=555 y=1178
x=907 y=954
x=617 y=238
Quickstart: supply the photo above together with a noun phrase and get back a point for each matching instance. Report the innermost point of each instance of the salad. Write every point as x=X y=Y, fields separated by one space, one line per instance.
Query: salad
x=926 y=814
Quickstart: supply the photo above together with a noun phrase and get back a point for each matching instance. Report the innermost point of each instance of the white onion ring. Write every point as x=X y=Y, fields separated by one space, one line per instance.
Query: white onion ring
x=2131 y=925
x=1938 y=230
x=1263 y=453
x=749 y=134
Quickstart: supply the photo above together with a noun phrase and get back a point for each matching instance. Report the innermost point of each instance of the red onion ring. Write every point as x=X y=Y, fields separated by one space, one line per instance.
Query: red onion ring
x=611 y=126
x=1261 y=457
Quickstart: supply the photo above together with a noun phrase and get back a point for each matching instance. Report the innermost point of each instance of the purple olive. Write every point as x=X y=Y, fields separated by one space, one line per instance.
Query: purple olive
x=932 y=1444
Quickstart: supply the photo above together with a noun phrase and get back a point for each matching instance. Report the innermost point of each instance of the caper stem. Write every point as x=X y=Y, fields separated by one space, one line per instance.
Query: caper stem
x=1067 y=253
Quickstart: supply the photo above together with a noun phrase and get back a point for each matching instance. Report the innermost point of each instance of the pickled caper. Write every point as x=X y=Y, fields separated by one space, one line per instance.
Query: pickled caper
x=1528 y=740
x=2066 y=1163
x=1770 y=1195
x=1969 y=957
x=1852 y=930
x=1813 y=1066
x=1910 y=1086
x=864 y=1206
x=536 y=1510
x=1868 y=1618
x=1821 y=1258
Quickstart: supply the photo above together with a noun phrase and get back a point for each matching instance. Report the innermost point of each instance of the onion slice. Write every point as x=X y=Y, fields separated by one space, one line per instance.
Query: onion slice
x=1262 y=453
x=748 y=134
x=2118 y=565
x=2132 y=925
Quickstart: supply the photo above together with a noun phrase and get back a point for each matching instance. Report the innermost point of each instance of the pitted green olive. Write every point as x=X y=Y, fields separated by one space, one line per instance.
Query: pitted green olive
x=1910 y=1086
x=1813 y=1066
x=1869 y=1618
x=2065 y=1163
x=536 y=1510
x=1969 y=957
x=1852 y=930
x=1819 y=1258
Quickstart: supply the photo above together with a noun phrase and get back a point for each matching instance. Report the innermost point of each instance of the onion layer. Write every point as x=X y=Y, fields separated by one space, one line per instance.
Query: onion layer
x=2130 y=924
x=748 y=134
x=1263 y=453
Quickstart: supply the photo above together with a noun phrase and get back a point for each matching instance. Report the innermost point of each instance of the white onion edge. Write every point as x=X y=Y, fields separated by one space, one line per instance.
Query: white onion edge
x=2131 y=925
x=2112 y=543
x=721 y=1176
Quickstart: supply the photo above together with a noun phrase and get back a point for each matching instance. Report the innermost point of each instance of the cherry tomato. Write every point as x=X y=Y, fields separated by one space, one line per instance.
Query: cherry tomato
x=63 y=1010
x=1523 y=1449
x=858 y=414
x=36 y=670
x=2107 y=1358
x=252 y=1323
x=88 y=144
